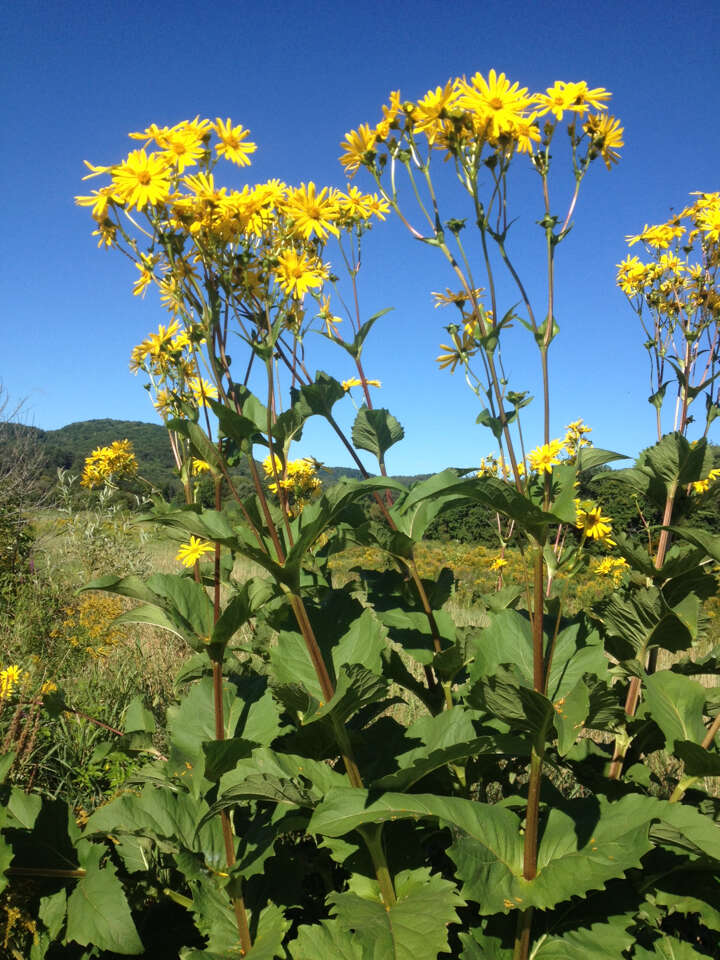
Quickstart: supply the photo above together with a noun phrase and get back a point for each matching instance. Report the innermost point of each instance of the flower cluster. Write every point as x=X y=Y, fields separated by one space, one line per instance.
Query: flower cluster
x=674 y=290
x=88 y=625
x=466 y=117
x=680 y=276
x=171 y=359
x=297 y=479
x=612 y=567
x=702 y=486
x=107 y=465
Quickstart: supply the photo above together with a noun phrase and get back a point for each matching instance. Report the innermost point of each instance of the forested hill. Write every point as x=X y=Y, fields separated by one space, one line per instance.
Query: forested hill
x=68 y=447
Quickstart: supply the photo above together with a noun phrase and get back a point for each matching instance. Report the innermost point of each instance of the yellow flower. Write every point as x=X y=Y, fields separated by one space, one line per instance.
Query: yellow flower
x=702 y=486
x=144 y=280
x=575 y=97
x=190 y=553
x=431 y=108
x=201 y=390
x=607 y=136
x=591 y=522
x=9 y=678
x=200 y=466
x=357 y=144
x=357 y=382
x=390 y=112
x=297 y=273
x=498 y=563
x=313 y=212
x=659 y=237
x=100 y=201
x=544 y=458
x=232 y=145
x=183 y=143
x=142 y=179
x=496 y=105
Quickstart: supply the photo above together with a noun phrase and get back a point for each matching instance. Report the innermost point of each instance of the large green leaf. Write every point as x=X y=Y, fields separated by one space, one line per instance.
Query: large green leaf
x=448 y=737
x=325 y=939
x=709 y=542
x=698 y=761
x=676 y=704
x=97 y=911
x=599 y=941
x=376 y=431
x=571 y=712
x=413 y=928
x=161 y=814
x=668 y=948
x=685 y=827
x=363 y=643
x=581 y=848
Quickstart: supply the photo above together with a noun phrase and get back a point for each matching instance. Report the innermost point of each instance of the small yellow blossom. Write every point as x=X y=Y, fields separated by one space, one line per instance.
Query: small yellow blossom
x=190 y=553
x=357 y=382
x=591 y=522
x=544 y=458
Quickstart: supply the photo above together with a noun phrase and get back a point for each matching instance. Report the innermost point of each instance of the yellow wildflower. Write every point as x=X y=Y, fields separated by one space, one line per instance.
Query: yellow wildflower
x=190 y=553
x=544 y=458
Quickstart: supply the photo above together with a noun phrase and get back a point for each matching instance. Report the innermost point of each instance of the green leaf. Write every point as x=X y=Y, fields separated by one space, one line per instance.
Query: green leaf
x=676 y=704
x=24 y=808
x=581 y=847
x=52 y=911
x=591 y=457
x=698 y=761
x=413 y=928
x=363 y=643
x=668 y=948
x=246 y=602
x=319 y=397
x=325 y=939
x=376 y=431
x=138 y=718
x=223 y=755
x=571 y=711
x=684 y=826
x=98 y=913
x=600 y=941
x=709 y=542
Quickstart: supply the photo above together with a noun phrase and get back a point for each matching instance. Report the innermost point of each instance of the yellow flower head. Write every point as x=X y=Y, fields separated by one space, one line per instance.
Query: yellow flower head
x=544 y=458
x=591 y=522
x=297 y=273
x=313 y=212
x=498 y=563
x=190 y=553
x=232 y=144
x=357 y=146
x=142 y=180
x=9 y=679
x=357 y=382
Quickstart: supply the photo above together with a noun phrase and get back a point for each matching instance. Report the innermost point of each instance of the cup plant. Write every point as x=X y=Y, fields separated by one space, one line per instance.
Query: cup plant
x=350 y=773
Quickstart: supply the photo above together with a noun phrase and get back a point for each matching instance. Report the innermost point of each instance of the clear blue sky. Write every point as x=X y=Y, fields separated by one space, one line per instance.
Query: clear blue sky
x=77 y=77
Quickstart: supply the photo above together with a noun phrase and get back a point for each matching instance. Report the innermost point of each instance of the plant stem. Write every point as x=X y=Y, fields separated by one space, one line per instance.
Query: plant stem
x=238 y=901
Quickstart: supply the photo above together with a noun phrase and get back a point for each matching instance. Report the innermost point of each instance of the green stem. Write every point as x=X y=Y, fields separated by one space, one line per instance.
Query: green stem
x=372 y=835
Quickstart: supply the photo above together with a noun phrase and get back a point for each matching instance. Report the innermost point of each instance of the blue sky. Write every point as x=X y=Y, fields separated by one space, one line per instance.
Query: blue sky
x=77 y=78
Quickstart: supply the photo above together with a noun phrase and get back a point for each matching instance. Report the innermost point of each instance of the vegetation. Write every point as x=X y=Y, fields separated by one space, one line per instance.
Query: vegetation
x=375 y=747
